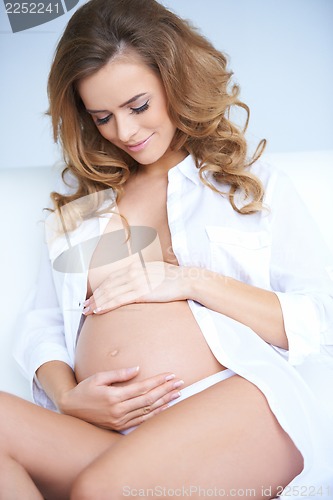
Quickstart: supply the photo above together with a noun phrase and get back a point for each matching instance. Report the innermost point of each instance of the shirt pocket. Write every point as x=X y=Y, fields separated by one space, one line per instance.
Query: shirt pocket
x=243 y=255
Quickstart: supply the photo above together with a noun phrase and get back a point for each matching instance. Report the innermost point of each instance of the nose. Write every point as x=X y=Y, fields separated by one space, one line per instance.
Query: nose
x=126 y=128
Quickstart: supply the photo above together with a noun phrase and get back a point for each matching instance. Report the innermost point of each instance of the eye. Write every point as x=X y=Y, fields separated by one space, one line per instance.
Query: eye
x=102 y=121
x=141 y=109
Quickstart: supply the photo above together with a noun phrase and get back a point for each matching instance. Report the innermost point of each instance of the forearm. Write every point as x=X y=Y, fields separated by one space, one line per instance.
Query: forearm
x=254 y=307
x=56 y=377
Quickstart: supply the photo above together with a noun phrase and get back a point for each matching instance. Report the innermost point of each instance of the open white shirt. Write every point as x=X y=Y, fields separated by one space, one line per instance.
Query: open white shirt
x=277 y=249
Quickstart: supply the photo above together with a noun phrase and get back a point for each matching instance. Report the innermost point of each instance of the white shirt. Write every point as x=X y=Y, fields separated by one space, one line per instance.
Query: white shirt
x=278 y=249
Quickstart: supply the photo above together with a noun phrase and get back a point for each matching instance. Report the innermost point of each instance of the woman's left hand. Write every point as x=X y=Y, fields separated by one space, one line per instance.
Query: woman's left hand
x=156 y=282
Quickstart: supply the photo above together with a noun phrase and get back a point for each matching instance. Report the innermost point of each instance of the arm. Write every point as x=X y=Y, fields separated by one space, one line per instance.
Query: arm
x=40 y=332
x=296 y=313
x=254 y=307
x=97 y=401
x=301 y=274
x=42 y=355
x=56 y=378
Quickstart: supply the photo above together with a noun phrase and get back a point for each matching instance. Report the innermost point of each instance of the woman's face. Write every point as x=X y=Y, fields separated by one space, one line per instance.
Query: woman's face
x=128 y=104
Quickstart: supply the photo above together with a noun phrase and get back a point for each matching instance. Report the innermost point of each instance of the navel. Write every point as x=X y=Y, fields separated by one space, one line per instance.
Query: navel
x=113 y=353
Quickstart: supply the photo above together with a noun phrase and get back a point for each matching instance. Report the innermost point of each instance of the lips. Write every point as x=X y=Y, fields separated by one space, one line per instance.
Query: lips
x=139 y=145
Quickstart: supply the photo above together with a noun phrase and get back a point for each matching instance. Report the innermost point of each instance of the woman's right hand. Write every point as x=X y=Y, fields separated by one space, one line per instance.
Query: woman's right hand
x=98 y=401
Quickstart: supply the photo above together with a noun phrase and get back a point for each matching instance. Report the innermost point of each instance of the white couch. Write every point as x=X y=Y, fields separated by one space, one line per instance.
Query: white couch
x=24 y=192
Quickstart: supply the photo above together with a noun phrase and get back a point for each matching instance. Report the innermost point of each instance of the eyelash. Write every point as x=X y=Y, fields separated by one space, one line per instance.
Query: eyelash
x=136 y=111
x=141 y=109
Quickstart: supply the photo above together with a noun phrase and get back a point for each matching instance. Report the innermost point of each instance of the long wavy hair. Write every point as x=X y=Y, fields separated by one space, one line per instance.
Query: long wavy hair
x=199 y=93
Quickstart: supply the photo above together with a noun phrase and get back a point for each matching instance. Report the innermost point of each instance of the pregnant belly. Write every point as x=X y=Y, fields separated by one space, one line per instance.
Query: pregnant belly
x=157 y=337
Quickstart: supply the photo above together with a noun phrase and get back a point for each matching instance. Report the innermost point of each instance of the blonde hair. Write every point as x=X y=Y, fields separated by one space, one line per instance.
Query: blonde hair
x=196 y=82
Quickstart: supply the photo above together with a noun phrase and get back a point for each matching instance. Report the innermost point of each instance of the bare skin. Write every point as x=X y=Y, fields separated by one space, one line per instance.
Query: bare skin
x=229 y=428
x=227 y=424
x=168 y=328
x=230 y=423
x=42 y=447
x=225 y=437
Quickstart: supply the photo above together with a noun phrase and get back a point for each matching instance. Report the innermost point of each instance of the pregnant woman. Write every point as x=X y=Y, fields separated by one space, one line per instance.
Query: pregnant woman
x=178 y=292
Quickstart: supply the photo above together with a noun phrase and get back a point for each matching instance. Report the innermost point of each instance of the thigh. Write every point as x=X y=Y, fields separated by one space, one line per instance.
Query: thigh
x=52 y=448
x=225 y=438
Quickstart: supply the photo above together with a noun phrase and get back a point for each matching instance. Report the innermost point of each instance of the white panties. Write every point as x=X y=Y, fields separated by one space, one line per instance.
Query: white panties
x=195 y=388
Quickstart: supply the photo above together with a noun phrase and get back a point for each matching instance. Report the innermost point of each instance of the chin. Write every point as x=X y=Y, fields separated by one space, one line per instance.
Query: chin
x=147 y=158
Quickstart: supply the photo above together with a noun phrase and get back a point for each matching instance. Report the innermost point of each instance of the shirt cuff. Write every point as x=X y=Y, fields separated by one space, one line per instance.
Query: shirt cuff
x=302 y=326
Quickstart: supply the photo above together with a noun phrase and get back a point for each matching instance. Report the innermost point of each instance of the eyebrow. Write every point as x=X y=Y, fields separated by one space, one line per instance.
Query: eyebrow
x=133 y=99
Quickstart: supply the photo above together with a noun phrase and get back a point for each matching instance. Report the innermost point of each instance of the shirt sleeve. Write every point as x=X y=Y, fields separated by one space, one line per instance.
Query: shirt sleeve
x=301 y=273
x=40 y=331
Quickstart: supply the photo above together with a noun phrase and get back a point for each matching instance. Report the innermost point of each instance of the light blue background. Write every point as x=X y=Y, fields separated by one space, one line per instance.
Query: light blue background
x=281 y=52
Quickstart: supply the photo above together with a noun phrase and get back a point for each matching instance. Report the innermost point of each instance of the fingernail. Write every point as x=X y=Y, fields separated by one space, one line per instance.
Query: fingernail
x=169 y=377
x=175 y=396
x=97 y=310
x=133 y=369
x=86 y=310
x=178 y=383
x=86 y=302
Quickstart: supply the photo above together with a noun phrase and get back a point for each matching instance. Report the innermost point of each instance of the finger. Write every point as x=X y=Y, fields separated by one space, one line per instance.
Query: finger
x=170 y=396
x=121 y=300
x=117 y=290
x=117 y=279
x=113 y=376
x=143 y=412
x=89 y=306
x=109 y=286
x=159 y=397
x=141 y=415
x=153 y=397
x=88 y=311
x=136 y=389
x=142 y=418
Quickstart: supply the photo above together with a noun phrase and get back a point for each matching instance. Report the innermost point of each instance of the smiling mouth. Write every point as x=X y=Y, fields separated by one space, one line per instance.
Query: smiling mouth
x=139 y=145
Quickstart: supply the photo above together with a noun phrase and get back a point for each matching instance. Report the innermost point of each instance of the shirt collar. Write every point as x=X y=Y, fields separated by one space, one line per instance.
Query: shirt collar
x=188 y=168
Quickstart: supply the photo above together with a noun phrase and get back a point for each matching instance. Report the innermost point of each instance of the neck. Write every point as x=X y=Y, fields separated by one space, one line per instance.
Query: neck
x=163 y=165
